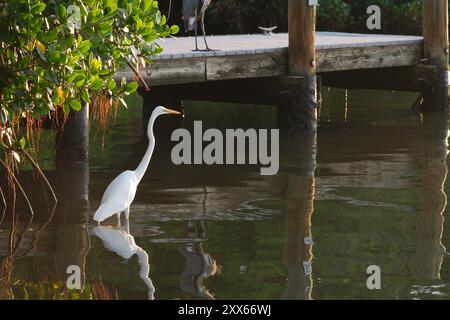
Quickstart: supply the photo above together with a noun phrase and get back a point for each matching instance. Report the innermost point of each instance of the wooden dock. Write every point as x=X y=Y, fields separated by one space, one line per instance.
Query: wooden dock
x=256 y=56
x=282 y=69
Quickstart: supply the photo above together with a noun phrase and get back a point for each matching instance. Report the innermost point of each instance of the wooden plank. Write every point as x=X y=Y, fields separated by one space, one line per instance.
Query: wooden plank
x=246 y=66
x=368 y=57
x=173 y=71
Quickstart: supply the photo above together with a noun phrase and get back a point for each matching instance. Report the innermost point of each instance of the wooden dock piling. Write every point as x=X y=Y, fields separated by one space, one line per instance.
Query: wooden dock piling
x=73 y=141
x=302 y=112
x=302 y=38
x=435 y=33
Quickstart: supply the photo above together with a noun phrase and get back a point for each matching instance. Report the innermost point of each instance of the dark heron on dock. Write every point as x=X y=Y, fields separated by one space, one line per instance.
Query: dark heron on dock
x=193 y=10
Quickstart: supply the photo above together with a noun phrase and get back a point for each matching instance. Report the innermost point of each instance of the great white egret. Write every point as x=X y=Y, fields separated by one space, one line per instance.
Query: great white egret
x=121 y=191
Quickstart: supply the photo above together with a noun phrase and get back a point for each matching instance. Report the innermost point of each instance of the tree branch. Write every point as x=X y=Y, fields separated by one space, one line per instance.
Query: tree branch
x=17 y=183
x=38 y=169
x=141 y=79
x=2 y=198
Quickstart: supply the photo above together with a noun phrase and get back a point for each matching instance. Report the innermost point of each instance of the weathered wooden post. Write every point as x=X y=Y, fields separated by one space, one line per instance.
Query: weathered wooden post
x=436 y=50
x=302 y=61
x=73 y=140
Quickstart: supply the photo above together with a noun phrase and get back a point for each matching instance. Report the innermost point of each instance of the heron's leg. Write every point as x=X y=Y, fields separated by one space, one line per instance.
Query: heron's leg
x=118 y=220
x=204 y=32
x=196 y=30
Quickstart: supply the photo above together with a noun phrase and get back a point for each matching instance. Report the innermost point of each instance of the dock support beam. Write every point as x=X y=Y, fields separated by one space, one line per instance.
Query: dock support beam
x=302 y=62
x=436 y=50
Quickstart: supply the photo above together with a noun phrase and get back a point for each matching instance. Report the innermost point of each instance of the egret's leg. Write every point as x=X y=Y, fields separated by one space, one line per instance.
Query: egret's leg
x=127 y=213
x=118 y=220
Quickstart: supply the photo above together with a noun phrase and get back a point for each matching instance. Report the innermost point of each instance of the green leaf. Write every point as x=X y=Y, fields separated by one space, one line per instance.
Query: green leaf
x=104 y=28
x=94 y=16
x=22 y=142
x=75 y=105
x=62 y=11
x=38 y=8
x=174 y=29
x=41 y=51
x=85 y=96
x=78 y=79
x=84 y=46
x=111 y=14
x=96 y=84
x=146 y=4
x=131 y=87
x=111 y=84
x=49 y=36
x=66 y=108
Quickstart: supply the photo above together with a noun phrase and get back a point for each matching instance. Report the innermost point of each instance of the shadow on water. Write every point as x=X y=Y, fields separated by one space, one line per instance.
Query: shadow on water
x=369 y=188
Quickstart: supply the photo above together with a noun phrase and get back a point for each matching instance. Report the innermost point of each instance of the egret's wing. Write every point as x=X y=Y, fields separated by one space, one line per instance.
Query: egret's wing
x=118 y=196
x=117 y=241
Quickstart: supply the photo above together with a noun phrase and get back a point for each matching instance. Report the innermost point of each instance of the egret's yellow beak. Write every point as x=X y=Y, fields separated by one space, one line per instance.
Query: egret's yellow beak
x=170 y=111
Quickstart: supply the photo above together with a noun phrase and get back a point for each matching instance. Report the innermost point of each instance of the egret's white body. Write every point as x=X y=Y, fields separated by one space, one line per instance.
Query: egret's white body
x=113 y=201
x=122 y=243
x=120 y=193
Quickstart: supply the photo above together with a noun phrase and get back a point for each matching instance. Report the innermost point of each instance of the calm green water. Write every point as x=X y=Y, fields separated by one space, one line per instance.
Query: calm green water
x=369 y=189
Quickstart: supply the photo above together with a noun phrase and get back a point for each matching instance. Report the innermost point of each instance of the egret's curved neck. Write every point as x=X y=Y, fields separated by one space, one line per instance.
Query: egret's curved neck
x=140 y=170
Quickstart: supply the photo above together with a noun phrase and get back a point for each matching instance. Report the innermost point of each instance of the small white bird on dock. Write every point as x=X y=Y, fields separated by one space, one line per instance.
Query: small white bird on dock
x=121 y=192
x=268 y=31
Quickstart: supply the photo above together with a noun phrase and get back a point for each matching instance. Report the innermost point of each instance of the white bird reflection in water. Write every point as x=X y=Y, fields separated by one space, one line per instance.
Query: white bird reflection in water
x=121 y=242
